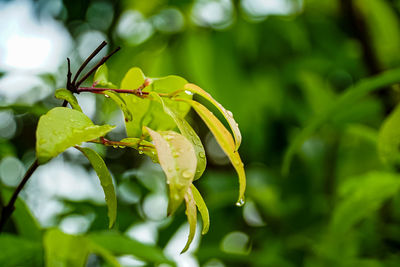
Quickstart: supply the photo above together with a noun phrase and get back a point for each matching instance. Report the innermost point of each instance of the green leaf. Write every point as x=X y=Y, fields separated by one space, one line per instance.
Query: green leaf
x=101 y=77
x=178 y=160
x=62 y=128
x=71 y=250
x=135 y=105
x=27 y=225
x=201 y=205
x=143 y=146
x=225 y=140
x=65 y=94
x=122 y=245
x=346 y=99
x=389 y=138
x=156 y=117
x=226 y=113
x=191 y=213
x=16 y=251
x=105 y=180
x=187 y=131
x=361 y=196
x=121 y=104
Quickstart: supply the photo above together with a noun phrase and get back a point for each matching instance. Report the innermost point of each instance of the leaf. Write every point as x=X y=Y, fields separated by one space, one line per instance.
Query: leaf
x=122 y=245
x=191 y=214
x=105 y=180
x=65 y=94
x=346 y=99
x=121 y=104
x=16 y=251
x=71 y=250
x=361 y=196
x=178 y=160
x=142 y=146
x=389 y=138
x=225 y=140
x=156 y=117
x=201 y=205
x=187 y=131
x=62 y=128
x=101 y=77
x=226 y=113
x=135 y=105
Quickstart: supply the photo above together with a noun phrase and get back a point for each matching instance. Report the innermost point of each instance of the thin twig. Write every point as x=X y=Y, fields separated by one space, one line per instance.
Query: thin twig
x=101 y=62
x=8 y=210
x=84 y=64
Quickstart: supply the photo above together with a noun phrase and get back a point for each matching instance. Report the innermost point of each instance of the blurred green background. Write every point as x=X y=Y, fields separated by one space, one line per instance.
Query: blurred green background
x=276 y=64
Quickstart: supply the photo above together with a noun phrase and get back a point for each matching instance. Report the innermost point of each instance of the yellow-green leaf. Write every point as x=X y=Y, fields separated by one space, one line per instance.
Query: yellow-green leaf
x=178 y=160
x=191 y=213
x=201 y=205
x=65 y=94
x=105 y=180
x=101 y=77
x=389 y=138
x=142 y=146
x=187 y=131
x=61 y=128
x=225 y=140
x=135 y=105
x=226 y=113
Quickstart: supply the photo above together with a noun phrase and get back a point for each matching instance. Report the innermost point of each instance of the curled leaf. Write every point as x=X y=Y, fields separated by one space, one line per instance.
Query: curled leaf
x=105 y=180
x=226 y=113
x=61 y=128
x=201 y=205
x=225 y=140
x=187 y=131
x=191 y=213
x=65 y=94
x=178 y=161
x=101 y=77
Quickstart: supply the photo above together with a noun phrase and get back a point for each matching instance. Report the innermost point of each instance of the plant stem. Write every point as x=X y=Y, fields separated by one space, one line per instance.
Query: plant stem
x=8 y=210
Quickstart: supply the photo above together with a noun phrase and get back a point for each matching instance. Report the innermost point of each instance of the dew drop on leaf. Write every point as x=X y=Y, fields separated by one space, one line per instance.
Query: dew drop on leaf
x=107 y=96
x=115 y=146
x=240 y=203
x=202 y=155
x=141 y=152
x=187 y=174
x=122 y=146
x=229 y=113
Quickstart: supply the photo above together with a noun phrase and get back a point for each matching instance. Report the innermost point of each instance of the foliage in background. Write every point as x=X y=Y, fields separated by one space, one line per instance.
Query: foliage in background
x=314 y=90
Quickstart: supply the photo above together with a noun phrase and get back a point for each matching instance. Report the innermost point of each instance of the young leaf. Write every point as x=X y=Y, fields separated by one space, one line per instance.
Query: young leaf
x=227 y=114
x=142 y=146
x=201 y=205
x=187 y=131
x=225 y=140
x=121 y=104
x=191 y=213
x=123 y=245
x=62 y=128
x=156 y=117
x=135 y=105
x=105 y=180
x=389 y=138
x=101 y=77
x=178 y=160
x=65 y=94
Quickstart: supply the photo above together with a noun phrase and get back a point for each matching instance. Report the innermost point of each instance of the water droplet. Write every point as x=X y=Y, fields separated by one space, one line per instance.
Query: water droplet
x=122 y=146
x=115 y=146
x=202 y=155
x=107 y=96
x=168 y=137
x=229 y=113
x=141 y=152
x=187 y=174
x=240 y=202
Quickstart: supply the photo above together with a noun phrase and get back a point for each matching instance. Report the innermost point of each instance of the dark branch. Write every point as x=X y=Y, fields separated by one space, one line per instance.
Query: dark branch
x=101 y=62
x=84 y=64
x=8 y=210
